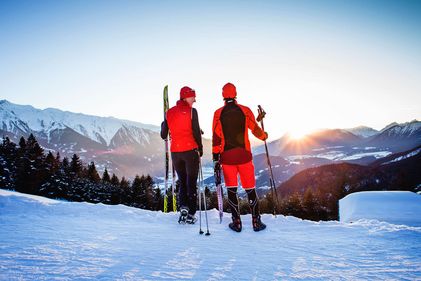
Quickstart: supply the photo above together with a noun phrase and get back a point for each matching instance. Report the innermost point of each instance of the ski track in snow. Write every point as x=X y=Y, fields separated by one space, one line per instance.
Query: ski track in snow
x=57 y=240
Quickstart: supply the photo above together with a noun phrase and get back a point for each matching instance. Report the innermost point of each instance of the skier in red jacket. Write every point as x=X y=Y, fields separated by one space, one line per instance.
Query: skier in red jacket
x=182 y=123
x=231 y=148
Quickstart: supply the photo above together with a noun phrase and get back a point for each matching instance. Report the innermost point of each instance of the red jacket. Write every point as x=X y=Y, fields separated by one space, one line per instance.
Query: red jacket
x=230 y=133
x=183 y=124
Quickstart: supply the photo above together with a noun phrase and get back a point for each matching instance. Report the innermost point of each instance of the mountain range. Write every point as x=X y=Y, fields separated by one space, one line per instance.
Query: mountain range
x=124 y=147
x=127 y=148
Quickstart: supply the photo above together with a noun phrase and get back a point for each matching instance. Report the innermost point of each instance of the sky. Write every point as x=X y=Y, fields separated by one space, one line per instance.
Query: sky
x=309 y=64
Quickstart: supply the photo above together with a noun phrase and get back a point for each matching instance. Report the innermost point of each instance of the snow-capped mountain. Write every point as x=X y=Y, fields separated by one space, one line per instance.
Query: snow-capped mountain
x=398 y=137
x=363 y=131
x=27 y=119
x=124 y=147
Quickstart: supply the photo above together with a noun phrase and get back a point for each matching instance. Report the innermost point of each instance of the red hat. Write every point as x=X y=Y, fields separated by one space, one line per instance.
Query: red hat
x=187 y=92
x=229 y=91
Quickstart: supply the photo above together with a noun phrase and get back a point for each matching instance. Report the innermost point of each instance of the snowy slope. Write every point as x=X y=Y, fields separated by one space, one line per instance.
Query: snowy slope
x=26 y=117
x=56 y=240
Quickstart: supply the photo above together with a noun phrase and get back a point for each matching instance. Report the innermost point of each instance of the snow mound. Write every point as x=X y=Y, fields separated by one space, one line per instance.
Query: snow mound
x=396 y=207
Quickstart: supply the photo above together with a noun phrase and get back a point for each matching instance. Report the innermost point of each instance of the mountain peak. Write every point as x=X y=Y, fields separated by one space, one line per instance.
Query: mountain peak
x=99 y=129
x=362 y=131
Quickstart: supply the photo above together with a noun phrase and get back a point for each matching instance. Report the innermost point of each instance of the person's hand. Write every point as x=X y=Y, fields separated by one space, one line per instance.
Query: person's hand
x=265 y=137
x=200 y=150
x=216 y=165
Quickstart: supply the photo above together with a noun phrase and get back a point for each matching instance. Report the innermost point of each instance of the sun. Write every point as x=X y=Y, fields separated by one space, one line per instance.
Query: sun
x=298 y=133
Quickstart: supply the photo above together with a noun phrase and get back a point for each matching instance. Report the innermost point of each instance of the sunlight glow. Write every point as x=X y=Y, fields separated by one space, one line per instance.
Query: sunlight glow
x=298 y=133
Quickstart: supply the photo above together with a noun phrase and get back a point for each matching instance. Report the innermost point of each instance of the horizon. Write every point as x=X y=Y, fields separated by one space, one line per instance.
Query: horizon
x=311 y=65
x=253 y=141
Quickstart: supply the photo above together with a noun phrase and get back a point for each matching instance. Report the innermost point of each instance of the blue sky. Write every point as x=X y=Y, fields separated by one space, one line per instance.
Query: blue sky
x=310 y=64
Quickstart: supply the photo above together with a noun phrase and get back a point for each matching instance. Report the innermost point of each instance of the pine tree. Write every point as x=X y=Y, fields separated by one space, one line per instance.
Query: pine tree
x=8 y=158
x=114 y=180
x=138 y=192
x=106 y=176
x=309 y=205
x=293 y=206
x=93 y=173
x=126 y=191
x=64 y=166
x=31 y=166
x=75 y=166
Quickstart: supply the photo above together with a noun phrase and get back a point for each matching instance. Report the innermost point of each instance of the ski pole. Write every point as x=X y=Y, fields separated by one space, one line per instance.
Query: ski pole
x=204 y=197
x=200 y=204
x=261 y=115
x=174 y=196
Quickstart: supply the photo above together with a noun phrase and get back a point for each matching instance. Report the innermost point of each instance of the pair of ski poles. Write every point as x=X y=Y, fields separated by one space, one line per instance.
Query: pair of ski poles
x=202 y=191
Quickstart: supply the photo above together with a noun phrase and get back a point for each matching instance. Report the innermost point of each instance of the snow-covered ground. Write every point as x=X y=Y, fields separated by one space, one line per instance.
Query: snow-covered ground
x=43 y=239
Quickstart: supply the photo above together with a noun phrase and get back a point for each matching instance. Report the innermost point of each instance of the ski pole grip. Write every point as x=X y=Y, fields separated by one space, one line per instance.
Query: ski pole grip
x=261 y=113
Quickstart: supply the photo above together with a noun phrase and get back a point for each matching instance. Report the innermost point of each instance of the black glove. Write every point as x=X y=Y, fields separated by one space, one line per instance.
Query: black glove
x=216 y=161
x=200 y=150
x=216 y=165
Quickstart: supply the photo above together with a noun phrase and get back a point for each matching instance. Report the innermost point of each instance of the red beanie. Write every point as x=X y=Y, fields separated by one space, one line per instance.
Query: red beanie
x=229 y=91
x=187 y=92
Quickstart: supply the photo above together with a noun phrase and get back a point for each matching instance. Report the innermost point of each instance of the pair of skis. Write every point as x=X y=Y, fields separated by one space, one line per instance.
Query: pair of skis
x=167 y=162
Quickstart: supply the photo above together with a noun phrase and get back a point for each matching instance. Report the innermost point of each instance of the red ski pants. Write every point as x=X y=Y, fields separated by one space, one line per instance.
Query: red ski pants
x=246 y=172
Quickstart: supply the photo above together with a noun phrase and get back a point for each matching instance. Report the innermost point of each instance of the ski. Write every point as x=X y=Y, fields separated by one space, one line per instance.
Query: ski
x=219 y=191
x=167 y=162
x=167 y=156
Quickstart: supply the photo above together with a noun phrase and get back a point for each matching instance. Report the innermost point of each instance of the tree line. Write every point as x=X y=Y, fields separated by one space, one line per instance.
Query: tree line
x=28 y=168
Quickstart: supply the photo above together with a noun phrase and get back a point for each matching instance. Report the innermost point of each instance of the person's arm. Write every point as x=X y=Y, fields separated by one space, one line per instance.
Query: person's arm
x=164 y=129
x=197 y=132
x=253 y=126
x=216 y=137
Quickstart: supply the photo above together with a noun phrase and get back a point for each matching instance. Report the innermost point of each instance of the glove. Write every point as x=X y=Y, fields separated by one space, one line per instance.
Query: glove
x=216 y=157
x=200 y=150
x=266 y=136
x=216 y=165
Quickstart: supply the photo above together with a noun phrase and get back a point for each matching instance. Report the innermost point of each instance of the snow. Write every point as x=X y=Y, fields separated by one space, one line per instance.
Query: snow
x=403 y=157
x=398 y=207
x=376 y=154
x=82 y=241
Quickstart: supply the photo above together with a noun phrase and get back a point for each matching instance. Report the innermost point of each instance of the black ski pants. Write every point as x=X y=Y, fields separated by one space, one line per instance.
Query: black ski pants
x=186 y=164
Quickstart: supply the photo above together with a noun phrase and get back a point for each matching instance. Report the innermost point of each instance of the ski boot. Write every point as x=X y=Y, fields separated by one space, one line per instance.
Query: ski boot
x=258 y=224
x=235 y=224
x=191 y=219
x=184 y=212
